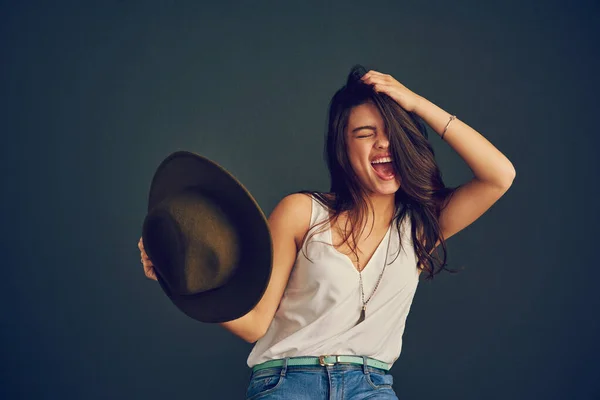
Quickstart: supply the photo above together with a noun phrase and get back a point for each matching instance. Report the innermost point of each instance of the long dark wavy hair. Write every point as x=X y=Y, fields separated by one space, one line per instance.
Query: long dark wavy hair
x=422 y=194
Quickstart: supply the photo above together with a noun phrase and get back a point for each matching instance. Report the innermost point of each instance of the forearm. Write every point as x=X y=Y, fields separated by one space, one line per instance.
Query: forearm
x=486 y=161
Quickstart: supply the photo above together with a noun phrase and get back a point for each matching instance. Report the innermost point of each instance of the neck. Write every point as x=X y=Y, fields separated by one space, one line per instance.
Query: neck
x=384 y=207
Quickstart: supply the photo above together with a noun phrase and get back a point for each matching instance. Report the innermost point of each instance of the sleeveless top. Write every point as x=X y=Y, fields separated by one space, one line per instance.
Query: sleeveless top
x=322 y=300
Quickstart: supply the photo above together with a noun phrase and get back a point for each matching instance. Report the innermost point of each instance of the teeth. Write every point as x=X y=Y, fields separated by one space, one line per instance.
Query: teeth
x=382 y=160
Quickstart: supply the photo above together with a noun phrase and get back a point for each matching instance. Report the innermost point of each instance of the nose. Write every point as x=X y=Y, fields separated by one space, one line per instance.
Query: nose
x=382 y=142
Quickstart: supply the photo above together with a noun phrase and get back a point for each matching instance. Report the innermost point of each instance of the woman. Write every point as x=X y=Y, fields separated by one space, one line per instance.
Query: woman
x=347 y=263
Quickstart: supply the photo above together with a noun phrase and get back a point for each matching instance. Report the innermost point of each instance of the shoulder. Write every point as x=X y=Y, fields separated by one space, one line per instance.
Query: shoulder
x=295 y=203
x=292 y=216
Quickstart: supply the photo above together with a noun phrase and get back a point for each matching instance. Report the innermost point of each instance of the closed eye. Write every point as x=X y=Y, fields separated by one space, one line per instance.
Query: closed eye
x=364 y=136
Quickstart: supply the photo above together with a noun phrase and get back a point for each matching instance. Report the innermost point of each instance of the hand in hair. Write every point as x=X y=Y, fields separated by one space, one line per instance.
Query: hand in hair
x=384 y=83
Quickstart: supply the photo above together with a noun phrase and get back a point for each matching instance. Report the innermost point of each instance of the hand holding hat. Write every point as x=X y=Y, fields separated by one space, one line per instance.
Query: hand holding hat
x=208 y=239
x=148 y=270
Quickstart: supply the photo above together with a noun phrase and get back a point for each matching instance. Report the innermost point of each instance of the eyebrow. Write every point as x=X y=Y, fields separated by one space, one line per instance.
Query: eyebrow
x=371 y=127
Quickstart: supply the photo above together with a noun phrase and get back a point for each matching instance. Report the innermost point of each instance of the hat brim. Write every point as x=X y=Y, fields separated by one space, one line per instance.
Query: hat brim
x=245 y=288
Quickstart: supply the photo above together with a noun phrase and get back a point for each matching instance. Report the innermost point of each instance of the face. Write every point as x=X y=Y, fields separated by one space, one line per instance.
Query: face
x=368 y=150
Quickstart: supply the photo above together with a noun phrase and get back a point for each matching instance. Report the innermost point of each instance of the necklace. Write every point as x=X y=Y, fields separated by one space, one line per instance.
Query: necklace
x=364 y=306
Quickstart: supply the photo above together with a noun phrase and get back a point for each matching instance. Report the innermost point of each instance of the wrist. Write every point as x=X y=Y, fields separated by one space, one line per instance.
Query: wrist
x=418 y=104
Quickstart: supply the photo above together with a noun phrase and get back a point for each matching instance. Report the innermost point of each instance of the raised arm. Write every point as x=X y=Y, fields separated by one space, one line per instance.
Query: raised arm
x=493 y=172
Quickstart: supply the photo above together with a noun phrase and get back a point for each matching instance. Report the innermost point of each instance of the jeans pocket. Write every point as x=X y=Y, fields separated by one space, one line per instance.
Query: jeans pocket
x=263 y=384
x=379 y=381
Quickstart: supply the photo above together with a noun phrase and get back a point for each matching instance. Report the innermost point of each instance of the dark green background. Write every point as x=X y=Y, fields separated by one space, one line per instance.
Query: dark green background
x=95 y=95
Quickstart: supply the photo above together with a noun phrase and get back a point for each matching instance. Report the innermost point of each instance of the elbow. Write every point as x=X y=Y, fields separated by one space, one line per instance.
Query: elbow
x=260 y=326
x=510 y=178
x=256 y=334
x=512 y=173
x=506 y=180
x=248 y=327
x=251 y=340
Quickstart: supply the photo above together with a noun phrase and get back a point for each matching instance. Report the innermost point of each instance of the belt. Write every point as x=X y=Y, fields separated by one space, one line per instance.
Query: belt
x=325 y=360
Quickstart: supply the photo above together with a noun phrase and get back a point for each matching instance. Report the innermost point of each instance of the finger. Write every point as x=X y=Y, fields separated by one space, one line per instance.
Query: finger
x=373 y=79
x=151 y=274
x=383 y=79
x=380 y=88
x=148 y=274
x=373 y=73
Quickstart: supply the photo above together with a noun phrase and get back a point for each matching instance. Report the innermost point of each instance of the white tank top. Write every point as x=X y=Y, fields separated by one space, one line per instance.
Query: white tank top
x=322 y=300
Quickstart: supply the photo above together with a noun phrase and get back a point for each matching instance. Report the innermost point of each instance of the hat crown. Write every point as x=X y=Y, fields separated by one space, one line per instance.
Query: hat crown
x=192 y=242
x=207 y=237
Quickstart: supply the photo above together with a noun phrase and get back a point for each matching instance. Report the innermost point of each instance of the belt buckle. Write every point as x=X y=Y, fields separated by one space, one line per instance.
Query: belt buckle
x=323 y=363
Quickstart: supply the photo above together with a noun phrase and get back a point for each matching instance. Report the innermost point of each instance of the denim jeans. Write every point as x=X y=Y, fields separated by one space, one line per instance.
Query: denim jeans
x=331 y=382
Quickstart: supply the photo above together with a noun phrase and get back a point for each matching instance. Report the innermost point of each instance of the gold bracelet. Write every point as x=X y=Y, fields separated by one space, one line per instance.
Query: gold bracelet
x=446 y=128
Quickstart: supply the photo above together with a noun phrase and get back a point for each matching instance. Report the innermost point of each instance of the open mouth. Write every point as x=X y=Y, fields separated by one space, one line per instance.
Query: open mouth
x=383 y=168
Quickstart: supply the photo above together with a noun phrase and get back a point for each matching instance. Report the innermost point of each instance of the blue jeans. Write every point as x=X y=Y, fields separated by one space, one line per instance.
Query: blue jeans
x=335 y=382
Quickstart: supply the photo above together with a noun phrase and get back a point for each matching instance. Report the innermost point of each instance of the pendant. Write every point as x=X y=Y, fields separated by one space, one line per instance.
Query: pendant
x=362 y=315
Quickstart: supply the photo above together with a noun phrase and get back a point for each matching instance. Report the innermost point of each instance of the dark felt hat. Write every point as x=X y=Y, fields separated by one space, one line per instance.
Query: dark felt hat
x=208 y=239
